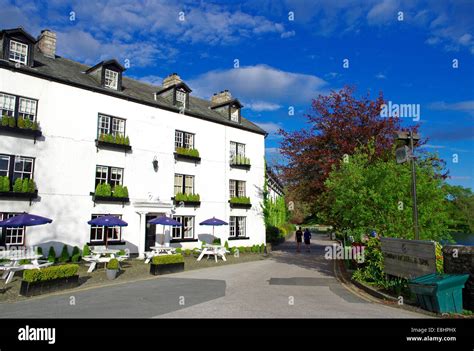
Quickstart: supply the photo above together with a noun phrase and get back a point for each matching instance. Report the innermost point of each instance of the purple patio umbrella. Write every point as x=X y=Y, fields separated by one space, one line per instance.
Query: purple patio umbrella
x=163 y=220
x=24 y=220
x=213 y=221
x=108 y=221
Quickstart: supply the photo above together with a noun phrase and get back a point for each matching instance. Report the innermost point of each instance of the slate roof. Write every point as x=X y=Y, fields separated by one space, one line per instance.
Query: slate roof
x=66 y=71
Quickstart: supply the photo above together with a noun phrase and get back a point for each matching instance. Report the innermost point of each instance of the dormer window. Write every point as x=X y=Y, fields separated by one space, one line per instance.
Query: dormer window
x=111 y=79
x=108 y=74
x=18 y=52
x=181 y=97
x=234 y=114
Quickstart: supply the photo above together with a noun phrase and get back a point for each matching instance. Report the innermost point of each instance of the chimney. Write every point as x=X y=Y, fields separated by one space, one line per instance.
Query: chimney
x=172 y=79
x=219 y=98
x=47 y=43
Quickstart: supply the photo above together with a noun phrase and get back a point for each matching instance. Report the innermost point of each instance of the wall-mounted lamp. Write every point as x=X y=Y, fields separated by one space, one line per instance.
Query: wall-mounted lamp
x=155 y=164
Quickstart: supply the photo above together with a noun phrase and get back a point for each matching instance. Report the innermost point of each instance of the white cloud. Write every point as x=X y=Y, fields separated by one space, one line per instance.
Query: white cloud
x=262 y=106
x=431 y=146
x=380 y=76
x=270 y=127
x=383 y=12
x=463 y=106
x=260 y=83
x=288 y=34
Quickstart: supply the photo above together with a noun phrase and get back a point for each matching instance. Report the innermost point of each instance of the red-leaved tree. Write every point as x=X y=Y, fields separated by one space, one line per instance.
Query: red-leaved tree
x=338 y=124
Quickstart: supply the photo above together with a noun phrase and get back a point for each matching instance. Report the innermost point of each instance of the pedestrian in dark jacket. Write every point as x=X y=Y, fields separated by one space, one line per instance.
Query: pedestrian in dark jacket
x=307 y=240
x=298 y=236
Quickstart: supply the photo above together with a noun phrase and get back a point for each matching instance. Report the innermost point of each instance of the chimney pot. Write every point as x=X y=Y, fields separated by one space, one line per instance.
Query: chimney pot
x=47 y=43
x=219 y=98
x=172 y=79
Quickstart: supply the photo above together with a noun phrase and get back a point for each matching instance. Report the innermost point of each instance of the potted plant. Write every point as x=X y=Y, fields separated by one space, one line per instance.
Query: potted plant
x=112 y=269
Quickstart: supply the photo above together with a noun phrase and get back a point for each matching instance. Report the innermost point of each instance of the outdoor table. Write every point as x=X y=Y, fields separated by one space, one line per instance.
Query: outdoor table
x=15 y=256
x=215 y=250
x=99 y=256
x=159 y=250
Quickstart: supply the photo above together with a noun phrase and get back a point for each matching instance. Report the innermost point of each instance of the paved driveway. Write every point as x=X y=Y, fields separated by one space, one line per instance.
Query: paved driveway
x=287 y=285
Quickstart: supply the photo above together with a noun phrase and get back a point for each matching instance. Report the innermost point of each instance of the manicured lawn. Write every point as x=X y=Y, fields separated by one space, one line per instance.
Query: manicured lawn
x=133 y=269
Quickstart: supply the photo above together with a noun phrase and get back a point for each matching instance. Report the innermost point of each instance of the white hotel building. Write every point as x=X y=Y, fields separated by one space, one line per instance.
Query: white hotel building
x=79 y=109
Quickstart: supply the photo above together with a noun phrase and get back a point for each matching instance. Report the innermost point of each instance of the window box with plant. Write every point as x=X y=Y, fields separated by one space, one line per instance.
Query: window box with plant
x=22 y=188
x=187 y=154
x=240 y=202
x=49 y=279
x=187 y=199
x=18 y=115
x=239 y=161
x=105 y=193
x=113 y=142
x=167 y=264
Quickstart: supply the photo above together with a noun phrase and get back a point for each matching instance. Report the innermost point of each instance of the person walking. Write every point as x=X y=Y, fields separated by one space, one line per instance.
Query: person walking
x=298 y=236
x=307 y=240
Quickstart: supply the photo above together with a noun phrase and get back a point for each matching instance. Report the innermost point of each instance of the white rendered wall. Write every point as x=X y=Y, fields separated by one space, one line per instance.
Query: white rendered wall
x=66 y=160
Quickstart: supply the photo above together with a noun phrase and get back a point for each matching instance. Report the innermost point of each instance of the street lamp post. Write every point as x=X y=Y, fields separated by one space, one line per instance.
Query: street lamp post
x=403 y=154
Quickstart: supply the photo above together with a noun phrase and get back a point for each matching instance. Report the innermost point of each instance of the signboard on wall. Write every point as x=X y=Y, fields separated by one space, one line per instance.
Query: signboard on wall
x=408 y=258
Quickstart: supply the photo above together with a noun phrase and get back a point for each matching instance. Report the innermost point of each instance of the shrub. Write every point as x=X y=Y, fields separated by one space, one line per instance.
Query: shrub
x=18 y=185
x=11 y=122
x=240 y=200
x=232 y=250
x=216 y=241
x=439 y=259
x=64 y=255
x=188 y=252
x=262 y=248
x=31 y=186
x=28 y=123
x=86 y=251
x=24 y=186
x=168 y=259
x=187 y=197
x=24 y=261
x=179 y=250
x=226 y=245
x=241 y=249
x=272 y=234
x=76 y=254
x=248 y=249
x=5 y=120
x=187 y=152
x=113 y=264
x=39 y=251
x=121 y=253
x=51 y=255
x=103 y=189
x=372 y=270
x=4 y=184
x=21 y=122
x=50 y=273
x=120 y=191
x=127 y=141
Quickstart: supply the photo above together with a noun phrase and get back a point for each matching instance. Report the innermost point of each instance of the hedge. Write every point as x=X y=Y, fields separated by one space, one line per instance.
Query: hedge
x=168 y=259
x=50 y=273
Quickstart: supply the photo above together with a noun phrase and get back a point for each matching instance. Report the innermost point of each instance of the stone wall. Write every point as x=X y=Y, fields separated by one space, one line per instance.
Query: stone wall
x=459 y=259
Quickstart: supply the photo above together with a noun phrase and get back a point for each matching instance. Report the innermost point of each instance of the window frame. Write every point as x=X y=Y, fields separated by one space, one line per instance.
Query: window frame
x=114 y=73
x=10 y=51
x=235 y=189
x=11 y=167
x=105 y=231
x=181 y=142
x=236 y=229
x=111 y=120
x=16 y=111
x=109 y=175
x=4 y=231
x=182 y=186
x=238 y=148
x=180 y=229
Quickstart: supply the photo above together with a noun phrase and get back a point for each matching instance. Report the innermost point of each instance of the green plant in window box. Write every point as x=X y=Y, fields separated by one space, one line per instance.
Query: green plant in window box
x=5 y=121
x=240 y=200
x=127 y=141
x=31 y=186
x=187 y=197
x=18 y=185
x=4 y=184
x=11 y=122
x=168 y=259
x=28 y=123
x=50 y=273
x=120 y=191
x=187 y=152
x=21 y=122
x=103 y=189
x=36 y=126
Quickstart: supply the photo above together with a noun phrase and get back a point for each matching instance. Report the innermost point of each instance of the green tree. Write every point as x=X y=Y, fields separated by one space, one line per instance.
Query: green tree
x=461 y=209
x=376 y=195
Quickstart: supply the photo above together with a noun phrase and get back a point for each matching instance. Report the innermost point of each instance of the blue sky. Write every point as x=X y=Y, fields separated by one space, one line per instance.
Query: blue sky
x=287 y=52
